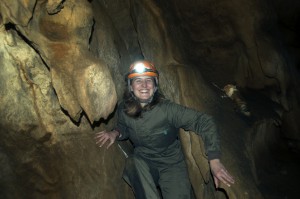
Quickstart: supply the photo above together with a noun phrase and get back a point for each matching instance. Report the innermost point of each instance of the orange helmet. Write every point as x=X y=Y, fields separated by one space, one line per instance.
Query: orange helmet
x=142 y=68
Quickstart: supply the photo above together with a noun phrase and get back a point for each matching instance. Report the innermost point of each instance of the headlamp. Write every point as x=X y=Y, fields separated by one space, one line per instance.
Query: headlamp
x=139 y=68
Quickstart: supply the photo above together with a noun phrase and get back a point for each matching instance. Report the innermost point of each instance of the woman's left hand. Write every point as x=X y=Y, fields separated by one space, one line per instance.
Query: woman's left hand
x=220 y=173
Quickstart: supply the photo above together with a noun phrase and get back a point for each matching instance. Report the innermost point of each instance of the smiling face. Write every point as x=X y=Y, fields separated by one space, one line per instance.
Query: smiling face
x=143 y=88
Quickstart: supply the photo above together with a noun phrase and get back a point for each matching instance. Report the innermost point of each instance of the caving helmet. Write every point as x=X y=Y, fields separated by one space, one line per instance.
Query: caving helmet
x=142 y=68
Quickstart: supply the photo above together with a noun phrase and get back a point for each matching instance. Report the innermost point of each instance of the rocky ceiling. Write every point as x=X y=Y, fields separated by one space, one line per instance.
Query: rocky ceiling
x=62 y=66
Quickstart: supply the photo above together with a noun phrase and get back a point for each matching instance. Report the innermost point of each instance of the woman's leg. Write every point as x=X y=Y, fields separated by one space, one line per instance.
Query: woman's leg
x=174 y=182
x=139 y=176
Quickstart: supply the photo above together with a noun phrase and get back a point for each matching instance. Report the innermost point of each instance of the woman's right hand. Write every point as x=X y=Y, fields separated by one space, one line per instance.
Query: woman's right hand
x=104 y=136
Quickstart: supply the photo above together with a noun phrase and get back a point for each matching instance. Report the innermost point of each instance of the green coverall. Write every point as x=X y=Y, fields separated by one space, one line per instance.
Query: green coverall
x=157 y=160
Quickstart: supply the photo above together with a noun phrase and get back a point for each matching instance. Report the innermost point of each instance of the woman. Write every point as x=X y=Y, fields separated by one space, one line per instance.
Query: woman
x=152 y=124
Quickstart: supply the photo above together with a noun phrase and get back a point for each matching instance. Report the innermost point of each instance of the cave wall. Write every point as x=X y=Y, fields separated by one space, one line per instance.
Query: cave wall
x=62 y=71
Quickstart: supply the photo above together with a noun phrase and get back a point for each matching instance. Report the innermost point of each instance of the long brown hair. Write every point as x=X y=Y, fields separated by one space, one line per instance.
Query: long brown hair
x=132 y=106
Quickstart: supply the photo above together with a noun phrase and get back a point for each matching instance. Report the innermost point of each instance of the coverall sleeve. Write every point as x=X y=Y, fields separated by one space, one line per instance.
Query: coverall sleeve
x=121 y=125
x=198 y=122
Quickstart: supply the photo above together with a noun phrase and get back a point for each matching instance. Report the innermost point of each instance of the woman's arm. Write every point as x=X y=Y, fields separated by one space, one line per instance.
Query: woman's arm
x=198 y=122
